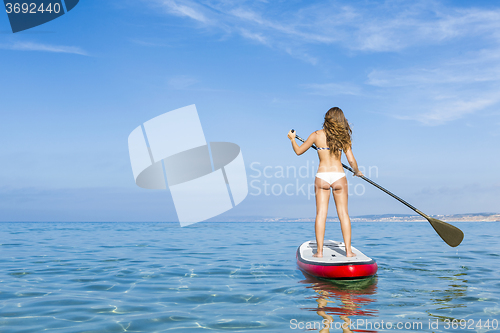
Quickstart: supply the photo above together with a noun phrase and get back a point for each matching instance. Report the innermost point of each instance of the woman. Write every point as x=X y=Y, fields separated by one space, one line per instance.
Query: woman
x=334 y=138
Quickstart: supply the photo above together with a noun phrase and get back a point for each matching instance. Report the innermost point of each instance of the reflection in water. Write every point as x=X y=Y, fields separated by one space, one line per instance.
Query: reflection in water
x=350 y=296
x=448 y=298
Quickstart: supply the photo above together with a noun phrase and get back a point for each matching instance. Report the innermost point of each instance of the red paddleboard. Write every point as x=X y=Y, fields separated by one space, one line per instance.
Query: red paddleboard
x=334 y=264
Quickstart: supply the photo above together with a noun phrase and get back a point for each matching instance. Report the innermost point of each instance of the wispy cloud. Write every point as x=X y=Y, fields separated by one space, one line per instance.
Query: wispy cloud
x=447 y=110
x=182 y=81
x=370 y=27
x=333 y=89
x=188 y=9
x=447 y=91
x=32 y=46
x=436 y=89
x=147 y=43
x=254 y=36
x=445 y=73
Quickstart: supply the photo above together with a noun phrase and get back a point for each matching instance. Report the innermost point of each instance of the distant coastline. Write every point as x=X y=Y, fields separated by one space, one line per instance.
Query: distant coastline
x=476 y=217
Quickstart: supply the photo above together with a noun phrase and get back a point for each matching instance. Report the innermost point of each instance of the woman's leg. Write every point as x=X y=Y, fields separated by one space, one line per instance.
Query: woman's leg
x=322 y=190
x=340 y=191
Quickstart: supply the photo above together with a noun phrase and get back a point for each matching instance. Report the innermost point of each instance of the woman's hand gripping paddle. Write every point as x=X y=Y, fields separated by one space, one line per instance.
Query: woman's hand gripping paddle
x=449 y=233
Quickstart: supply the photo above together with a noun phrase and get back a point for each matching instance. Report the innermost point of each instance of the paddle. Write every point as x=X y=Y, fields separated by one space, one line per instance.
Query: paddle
x=449 y=233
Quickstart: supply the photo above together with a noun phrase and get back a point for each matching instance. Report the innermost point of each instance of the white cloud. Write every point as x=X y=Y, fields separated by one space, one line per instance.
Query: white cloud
x=184 y=9
x=333 y=89
x=438 y=87
x=446 y=73
x=147 y=43
x=255 y=36
x=182 y=82
x=32 y=46
x=447 y=91
x=448 y=110
x=373 y=27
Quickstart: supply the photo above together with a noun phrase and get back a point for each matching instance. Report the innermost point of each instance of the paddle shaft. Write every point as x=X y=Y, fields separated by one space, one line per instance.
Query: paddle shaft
x=375 y=184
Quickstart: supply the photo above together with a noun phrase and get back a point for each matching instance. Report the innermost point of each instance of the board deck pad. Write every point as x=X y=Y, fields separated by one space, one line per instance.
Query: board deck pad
x=334 y=264
x=333 y=252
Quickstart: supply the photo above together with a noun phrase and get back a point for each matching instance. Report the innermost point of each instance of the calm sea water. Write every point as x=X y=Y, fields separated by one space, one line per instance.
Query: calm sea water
x=241 y=277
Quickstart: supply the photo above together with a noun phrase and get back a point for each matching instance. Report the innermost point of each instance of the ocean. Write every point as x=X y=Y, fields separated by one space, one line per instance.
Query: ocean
x=242 y=277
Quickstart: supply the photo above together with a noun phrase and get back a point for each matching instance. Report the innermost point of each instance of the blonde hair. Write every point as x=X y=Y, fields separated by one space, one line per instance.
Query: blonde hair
x=337 y=130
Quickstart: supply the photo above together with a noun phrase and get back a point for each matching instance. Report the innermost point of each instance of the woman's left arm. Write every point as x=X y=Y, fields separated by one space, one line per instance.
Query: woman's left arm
x=299 y=150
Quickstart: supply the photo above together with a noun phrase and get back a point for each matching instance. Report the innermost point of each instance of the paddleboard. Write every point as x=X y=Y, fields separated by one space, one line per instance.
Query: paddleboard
x=334 y=264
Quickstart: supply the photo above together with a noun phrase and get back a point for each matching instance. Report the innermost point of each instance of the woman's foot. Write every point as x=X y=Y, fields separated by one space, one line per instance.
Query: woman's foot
x=318 y=255
x=350 y=254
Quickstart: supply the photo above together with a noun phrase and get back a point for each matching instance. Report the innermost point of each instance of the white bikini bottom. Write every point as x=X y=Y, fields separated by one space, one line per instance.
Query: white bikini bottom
x=330 y=177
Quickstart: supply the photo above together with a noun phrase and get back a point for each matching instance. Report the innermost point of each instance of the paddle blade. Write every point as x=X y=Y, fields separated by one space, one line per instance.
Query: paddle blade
x=449 y=233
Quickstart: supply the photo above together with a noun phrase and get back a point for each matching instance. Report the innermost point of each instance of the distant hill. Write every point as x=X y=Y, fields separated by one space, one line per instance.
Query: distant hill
x=475 y=217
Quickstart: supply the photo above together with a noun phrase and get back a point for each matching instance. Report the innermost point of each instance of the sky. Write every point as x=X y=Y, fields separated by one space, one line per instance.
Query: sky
x=418 y=81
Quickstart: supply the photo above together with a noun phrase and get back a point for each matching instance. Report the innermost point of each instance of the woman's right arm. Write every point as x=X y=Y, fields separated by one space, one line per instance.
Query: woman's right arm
x=353 y=163
x=299 y=150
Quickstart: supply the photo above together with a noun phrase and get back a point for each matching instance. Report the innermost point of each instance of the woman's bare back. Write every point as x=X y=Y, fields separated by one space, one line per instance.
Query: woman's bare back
x=328 y=162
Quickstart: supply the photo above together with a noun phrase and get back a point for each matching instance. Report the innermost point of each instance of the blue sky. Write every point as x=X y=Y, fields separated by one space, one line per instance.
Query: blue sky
x=418 y=80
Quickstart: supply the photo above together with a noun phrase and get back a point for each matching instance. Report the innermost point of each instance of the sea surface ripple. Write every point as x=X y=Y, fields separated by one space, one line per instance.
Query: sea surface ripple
x=240 y=277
